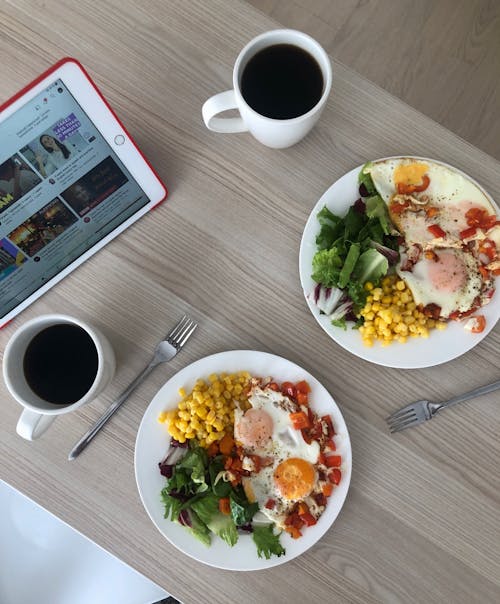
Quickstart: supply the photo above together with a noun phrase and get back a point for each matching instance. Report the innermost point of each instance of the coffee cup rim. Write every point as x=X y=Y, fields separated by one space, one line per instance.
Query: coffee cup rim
x=42 y=322
x=297 y=35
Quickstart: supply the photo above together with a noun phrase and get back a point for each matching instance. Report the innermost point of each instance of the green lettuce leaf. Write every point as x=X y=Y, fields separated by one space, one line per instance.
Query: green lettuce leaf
x=195 y=463
x=376 y=208
x=267 y=542
x=365 y=178
x=349 y=264
x=371 y=266
x=221 y=488
x=199 y=529
x=342 y=323
x=207 y=508
x=332 y=227
x=357 y=293
x=354 y=222
x=172 y=505
x=242 y=510
x=326 y=267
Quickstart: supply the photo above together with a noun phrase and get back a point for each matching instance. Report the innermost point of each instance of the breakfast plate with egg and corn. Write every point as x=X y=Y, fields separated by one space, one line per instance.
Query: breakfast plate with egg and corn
x=399 y=259
x=243 y=460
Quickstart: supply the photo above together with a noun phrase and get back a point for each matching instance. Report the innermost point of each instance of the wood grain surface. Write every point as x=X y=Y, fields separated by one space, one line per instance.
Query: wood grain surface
x=421 y=522
x=440 y=56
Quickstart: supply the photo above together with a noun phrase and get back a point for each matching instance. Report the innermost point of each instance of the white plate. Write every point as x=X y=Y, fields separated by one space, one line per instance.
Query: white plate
x=440 y=347
x=153 y=441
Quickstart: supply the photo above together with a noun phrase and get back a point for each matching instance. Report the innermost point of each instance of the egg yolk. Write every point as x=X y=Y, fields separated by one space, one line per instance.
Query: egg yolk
x=294 y=478
x=447 y=273
x=254 y=429
x=410 y=174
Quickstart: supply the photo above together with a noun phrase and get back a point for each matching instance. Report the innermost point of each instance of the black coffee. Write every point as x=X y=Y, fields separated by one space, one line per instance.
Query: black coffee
x=282 y=82
x=60 y=364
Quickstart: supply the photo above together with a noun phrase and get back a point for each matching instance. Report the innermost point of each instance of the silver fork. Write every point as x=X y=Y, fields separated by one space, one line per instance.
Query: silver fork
x=164 y=351
x=420 y=411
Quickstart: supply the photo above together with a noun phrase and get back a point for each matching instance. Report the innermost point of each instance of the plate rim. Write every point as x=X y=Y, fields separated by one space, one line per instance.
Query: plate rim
x=365 y=354
x=259 y=563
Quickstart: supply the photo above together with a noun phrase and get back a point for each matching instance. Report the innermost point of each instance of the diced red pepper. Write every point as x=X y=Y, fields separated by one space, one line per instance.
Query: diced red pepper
x=300 y=420
x=308 y=519
x=320 y=499
x=476 y=324
x=302 y=387
x=489 y=248
x=466 y=233
x=473 y=216
x=328 y=420
x=479 y=217
x=334 y=476
x=322 y=459
x=273 y=386
x=270 y=503
x=327 y=488
x=257 y=462
x=333 y=461
x=431 y=211
x=432 y=310
x=294 y=532
x=288 y=389
x=399 y=208
x=294 y=520
x=302 y=508
x=436 y=231
x=306 y=436
x=225 y=505
x=302 y=398
x=484 y=272
x=330 y=444
x=404 y=189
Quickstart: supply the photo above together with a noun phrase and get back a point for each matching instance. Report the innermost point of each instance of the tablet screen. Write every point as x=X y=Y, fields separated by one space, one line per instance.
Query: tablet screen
x=62 y=189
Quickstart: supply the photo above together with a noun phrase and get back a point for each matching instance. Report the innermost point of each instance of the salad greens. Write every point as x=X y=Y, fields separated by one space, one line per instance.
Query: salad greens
x=267 y=542
x=352 y=250
x=195 y=486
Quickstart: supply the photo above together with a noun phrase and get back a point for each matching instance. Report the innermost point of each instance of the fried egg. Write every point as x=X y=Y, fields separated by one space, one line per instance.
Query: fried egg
x=451 y=280
x=449 y=191
x=266 y=430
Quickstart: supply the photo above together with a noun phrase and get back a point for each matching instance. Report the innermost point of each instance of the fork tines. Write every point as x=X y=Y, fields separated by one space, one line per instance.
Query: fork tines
x=404 y=418
x=181 y=332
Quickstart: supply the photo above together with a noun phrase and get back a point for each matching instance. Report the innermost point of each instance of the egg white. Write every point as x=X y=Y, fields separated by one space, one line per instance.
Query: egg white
x=450 y=191
x=424 y=292
x=286 y=442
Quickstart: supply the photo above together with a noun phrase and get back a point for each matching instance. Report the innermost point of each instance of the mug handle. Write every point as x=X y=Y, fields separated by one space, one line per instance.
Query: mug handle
x=218 y=103
x=31 y=425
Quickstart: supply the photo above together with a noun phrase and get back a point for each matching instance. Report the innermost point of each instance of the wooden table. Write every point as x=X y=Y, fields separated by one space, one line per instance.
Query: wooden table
x=422 y=519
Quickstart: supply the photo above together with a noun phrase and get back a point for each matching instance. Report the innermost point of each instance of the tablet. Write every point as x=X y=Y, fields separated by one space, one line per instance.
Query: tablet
x=71 y=179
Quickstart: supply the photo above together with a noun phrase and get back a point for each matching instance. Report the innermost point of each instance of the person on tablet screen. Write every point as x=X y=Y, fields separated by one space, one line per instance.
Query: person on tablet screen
x=57 y=155
x=16 y=181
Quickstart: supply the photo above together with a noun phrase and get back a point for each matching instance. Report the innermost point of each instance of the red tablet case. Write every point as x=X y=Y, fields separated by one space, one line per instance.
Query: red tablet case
x=42 y=76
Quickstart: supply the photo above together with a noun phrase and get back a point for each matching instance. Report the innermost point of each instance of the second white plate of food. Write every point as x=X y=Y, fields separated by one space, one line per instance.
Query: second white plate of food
x=439 y=347
x=153 y=442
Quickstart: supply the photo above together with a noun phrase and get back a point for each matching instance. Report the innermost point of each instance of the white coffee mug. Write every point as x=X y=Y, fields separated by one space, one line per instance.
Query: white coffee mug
x=276 y=133
x=38 y=414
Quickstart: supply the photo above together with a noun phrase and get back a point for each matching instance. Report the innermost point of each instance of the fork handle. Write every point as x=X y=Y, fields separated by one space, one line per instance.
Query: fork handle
x=89 y=435
x=460 y=398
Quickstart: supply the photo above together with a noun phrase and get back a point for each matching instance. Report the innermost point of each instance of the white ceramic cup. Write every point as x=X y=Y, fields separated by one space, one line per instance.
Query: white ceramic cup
x=271 y=132
x=39 y=414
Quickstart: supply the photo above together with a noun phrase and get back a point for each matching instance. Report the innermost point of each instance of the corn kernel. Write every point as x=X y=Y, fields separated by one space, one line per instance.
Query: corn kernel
x=391 y=314
x=368 y=286
x=219 y=425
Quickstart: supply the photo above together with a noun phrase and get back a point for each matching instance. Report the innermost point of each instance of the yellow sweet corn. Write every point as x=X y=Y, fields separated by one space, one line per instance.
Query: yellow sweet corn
x=390 y=314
